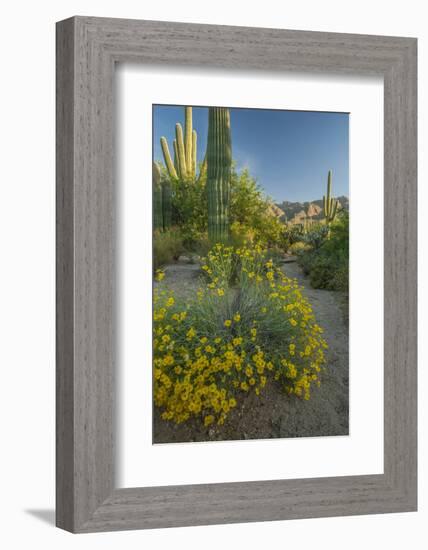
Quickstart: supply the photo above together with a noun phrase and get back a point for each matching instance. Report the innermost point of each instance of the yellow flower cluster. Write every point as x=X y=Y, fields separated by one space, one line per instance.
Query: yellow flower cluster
x=159 y=275
x=219 y=266
x=210 y=350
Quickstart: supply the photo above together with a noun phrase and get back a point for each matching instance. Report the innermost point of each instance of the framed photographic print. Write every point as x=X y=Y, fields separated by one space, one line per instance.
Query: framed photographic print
x=236 y=274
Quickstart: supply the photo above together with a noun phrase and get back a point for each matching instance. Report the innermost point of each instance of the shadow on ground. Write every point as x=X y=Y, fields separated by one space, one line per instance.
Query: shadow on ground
x=47 y=515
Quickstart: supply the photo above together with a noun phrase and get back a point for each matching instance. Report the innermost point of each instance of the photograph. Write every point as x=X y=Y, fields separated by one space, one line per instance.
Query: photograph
x=250 y=269
x=210 y=306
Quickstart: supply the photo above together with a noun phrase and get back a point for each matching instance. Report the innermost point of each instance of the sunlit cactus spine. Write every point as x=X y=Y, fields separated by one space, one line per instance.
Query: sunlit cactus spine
x=219 y=163
x=330 y=204
x=158 y=222
x=185 y=151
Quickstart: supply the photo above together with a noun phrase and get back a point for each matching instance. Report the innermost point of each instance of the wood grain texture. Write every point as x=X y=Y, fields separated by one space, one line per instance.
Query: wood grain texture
x=87 y=50
x=64 y=276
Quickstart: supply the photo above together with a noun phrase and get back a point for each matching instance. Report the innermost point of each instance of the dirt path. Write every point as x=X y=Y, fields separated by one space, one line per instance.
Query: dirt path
x=274 y=414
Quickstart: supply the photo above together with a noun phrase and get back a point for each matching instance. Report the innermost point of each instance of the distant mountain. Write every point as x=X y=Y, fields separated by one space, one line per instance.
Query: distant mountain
x=297 y=212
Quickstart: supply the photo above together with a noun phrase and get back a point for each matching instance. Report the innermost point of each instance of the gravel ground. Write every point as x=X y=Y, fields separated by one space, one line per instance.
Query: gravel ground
x=274 y=414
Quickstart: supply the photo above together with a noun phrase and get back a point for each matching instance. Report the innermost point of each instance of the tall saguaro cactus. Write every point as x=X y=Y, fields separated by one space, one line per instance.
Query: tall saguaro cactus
x=161 y=200
x=219 y=162
x=157 y=198
x=185 y=152
x=329 y=202
x=166 y=203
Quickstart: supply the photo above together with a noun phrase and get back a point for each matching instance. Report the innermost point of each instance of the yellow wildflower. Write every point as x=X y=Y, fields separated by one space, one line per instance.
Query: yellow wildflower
x=191 y=333
x=208 y=420
x=159 y=275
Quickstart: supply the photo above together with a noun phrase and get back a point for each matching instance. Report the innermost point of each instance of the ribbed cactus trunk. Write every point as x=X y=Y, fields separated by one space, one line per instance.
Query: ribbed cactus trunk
x=166 y=203
x=219 y=162
x=158 y=222
x=330 y=204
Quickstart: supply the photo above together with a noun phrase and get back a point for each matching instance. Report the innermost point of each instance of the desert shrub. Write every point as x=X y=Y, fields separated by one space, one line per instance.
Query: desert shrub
x=188 y=207
x=293 y=233
x=247 y=202
x=202 y=246
x=250 y=213
x=220 y=266
x=328 y=264
x=316 y=235
x=276 y=254
x=298 y=247
x=211 y=350
x=167 y=247
x=251 y=216
x=233 y=266
x=326 y=270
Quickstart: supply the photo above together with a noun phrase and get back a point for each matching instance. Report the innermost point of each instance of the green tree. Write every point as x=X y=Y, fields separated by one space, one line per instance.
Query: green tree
x=251 y=213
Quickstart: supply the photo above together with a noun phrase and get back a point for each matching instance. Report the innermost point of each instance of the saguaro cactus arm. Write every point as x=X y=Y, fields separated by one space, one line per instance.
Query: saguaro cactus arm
x=167 y=158
x=188 y=131
x=194 y=149
x=185 y=150
x=182 y=170
x=174 y=144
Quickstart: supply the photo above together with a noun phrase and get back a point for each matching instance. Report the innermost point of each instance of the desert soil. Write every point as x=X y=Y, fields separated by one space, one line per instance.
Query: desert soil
x=274 y=414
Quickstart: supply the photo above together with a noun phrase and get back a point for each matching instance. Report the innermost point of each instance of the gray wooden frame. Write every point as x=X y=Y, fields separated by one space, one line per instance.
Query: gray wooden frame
x=87 y=50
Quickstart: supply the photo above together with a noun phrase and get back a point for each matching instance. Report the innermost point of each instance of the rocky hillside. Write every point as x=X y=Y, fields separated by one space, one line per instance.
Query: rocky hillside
x=296 y=212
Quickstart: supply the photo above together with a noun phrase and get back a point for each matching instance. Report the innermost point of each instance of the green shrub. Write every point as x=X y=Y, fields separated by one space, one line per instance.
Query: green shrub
x=167 y=247
x=251 y=216
x=188 y=206
x=327 y=265
x=293 y=232
x=316 y=235
x=298 y=248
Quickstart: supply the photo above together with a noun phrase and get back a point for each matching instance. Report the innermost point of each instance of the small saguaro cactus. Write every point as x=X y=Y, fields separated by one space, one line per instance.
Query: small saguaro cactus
x=157 y=198
x=330 y=204
x=185 y=150
x=219 y=162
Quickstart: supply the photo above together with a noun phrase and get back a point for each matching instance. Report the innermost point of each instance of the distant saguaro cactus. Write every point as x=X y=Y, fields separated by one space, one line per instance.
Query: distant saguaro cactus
x=157 y=198
x=185 y=150
x=330 y=204
x=219 y=162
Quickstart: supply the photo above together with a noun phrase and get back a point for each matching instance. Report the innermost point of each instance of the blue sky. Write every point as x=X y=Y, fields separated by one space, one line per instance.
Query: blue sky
x=288 y=152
